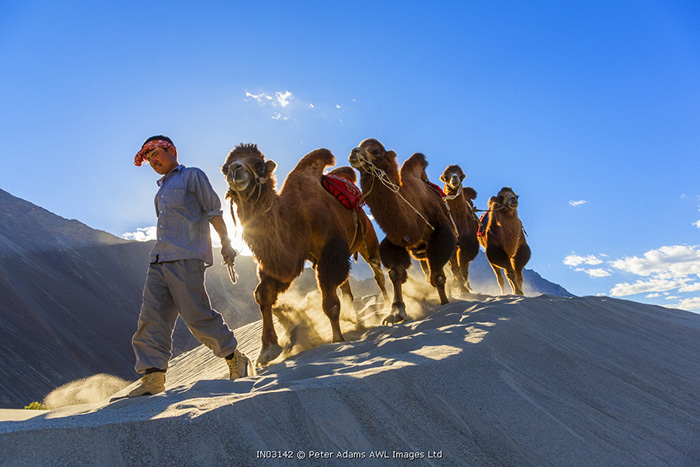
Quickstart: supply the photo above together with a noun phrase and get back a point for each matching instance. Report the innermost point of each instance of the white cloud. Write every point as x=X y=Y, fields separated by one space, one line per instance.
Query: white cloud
x=690 y=287
x=653 y=295
x=577 y=203
x=697 y=224
x=674 y=261
x=142 y=234
x=689 y=304
x=260 y=98
x=576 y=260
x=337 y=106
x=655 y=285
x=597 y=272
x=283 y=98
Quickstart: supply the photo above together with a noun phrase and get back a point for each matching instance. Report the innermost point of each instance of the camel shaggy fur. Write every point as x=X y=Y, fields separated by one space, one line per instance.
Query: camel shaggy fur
x=411 y=214
x=467 y=223
x=504 y=240
x=283 y=230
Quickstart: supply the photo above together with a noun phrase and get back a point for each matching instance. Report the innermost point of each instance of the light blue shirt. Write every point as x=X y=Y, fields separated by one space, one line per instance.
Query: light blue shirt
x=185 y=203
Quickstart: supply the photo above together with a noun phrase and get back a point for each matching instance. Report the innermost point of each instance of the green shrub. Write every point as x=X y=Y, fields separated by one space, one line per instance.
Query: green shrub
x=36 y=406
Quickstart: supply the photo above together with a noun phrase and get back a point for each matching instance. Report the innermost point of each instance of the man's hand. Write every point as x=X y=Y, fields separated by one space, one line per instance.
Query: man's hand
x=228 y=253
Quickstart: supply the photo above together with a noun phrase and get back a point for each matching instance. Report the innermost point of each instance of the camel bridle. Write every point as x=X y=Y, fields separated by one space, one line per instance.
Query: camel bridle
x=451 y=196
x=259 y=182
x=382 y=176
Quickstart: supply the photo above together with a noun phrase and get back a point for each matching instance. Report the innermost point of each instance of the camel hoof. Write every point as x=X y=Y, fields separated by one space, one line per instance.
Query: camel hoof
x=392 y=319
x=268 y=354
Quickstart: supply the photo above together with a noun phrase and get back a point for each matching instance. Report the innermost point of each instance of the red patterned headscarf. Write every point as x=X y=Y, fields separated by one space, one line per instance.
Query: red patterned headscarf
x=140 y=157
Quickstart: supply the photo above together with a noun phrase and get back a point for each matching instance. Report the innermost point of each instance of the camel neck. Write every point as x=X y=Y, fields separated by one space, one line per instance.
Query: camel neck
x=398 y=220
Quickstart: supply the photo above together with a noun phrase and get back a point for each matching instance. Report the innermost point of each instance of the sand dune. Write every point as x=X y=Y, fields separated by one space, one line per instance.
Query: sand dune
x=510 y=380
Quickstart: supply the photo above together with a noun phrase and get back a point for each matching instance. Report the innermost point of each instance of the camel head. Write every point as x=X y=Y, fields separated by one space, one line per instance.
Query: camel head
x=452 y=177
x=507 y=198
x=371 y=154
x=246 y=169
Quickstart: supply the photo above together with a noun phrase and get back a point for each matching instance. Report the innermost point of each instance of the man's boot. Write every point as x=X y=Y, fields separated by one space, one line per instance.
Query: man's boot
x=152 y=383
x=239 y=365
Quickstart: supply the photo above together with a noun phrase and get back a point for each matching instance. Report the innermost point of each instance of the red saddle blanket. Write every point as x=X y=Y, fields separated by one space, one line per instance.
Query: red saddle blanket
x=347 y=192
x=435 y=188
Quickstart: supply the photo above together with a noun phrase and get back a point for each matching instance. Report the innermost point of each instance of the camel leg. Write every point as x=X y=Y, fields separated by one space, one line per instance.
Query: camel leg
x=511 y=275
x=375 y=263
x=441 y=245
x=519 y=261
x=499 y=277
x=457 y=272
x=347 y=291
x=499 y=261
x=332 y=271
x=425 y=268
x=266 y=296
x=468 y=249
x=397 y=261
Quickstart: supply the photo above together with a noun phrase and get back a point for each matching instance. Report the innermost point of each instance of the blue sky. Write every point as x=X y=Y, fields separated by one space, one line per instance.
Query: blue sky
x=589 y=110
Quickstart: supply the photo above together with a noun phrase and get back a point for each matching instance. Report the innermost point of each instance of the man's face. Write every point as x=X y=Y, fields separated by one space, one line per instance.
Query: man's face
x=162 y=160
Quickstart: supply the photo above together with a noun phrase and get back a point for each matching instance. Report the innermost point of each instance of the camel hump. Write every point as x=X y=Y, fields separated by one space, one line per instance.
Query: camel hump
x=469 y=192
x=348 y=173
x=414 y=166
x=313 y=164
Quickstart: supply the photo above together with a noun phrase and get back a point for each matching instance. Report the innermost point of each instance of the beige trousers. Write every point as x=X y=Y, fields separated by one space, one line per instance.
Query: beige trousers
x=177 y=287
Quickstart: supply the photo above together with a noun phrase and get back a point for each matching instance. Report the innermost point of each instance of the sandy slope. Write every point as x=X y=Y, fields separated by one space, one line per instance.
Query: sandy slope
x=516 y=381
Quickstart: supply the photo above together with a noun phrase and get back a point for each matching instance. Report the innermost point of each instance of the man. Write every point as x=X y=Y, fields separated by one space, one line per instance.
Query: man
x=185 y=205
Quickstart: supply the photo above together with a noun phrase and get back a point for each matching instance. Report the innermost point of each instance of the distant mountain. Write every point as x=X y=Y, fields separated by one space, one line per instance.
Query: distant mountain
x=70 y=297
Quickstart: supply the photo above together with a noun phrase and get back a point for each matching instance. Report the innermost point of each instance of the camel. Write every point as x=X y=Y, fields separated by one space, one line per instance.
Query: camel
x=369 y=248
x=302 y=222
x=412 y=215
x=467 y=223
x=504 y=241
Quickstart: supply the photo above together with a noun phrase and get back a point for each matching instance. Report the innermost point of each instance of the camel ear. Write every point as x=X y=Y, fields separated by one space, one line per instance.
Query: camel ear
x=271 y=166
x=462 y=177
x=443 y=179
x=390 y=155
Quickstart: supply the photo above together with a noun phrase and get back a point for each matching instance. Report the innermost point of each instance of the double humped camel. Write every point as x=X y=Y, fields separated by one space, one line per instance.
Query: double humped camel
x=467 y=224
x=302 y=222
x=504 y=240
x=410 y=212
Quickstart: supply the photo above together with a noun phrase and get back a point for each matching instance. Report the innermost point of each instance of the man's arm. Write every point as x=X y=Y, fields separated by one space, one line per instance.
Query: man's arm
x=227 y=251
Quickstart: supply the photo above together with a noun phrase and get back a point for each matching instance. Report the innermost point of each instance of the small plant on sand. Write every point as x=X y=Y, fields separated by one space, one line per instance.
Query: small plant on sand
x=36 y=406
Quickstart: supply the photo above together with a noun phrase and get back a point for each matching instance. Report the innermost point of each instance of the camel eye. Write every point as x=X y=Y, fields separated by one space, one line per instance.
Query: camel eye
x=260 y=167
x=375 y=153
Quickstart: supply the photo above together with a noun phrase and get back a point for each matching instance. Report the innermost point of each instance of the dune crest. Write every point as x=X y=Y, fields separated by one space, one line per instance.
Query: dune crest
x=508 y=380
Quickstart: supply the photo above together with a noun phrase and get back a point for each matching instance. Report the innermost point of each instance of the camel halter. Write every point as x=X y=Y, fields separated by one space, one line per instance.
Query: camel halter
x=381 y=175
x=259 y=182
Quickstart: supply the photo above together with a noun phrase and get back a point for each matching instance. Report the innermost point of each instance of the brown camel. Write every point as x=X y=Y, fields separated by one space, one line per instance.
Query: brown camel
x=459 y=199
x=411 y=213
x=504 y=240
x=369 y=248
x=283 y=230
